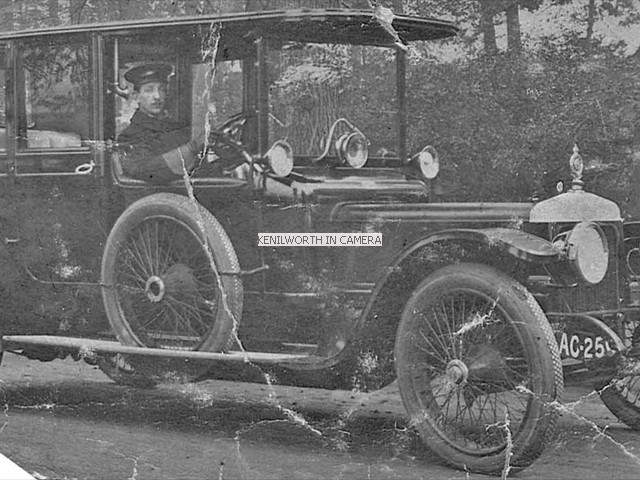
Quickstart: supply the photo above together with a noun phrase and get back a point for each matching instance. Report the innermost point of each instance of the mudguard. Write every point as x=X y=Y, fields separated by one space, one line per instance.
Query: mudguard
x=522 y=245
x=367 y=361
x=373 y=342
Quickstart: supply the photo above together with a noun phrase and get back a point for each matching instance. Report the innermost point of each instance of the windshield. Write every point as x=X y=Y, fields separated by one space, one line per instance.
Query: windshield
x=313 y=85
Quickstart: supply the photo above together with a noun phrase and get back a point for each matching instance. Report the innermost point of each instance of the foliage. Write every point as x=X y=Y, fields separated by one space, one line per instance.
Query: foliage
x=506 y=126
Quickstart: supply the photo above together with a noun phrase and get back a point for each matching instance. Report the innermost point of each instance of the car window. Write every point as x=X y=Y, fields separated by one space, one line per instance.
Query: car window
x=219 y=92
x=313 y=85
x=56 y=95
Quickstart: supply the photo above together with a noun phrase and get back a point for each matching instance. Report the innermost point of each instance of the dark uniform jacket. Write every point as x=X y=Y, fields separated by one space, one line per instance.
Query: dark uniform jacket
x=144 y=142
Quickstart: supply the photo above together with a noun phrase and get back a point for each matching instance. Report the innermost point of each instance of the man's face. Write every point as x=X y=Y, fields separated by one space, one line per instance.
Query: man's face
x=152 y=98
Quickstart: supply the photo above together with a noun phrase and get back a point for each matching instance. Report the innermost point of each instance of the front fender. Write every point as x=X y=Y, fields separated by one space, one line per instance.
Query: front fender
x=521 y=245
x=368 y=358
x=449 y=247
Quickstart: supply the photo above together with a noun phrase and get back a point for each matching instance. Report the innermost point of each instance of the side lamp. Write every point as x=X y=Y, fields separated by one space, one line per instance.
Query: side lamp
x=353 y=149
x=426 y=162
x=279 y=159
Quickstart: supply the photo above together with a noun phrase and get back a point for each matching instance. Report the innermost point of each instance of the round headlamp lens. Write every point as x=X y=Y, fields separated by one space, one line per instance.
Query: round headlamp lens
x=428 y=163
x=280 y=158
x=588 y=252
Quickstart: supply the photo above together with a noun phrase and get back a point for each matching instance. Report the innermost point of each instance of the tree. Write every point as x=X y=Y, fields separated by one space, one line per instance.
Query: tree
x=491 y=8
x=283 y=4
x=7 y=16
x=513 y=28
x=488 y=28
x=481 y=16
x=53 y=12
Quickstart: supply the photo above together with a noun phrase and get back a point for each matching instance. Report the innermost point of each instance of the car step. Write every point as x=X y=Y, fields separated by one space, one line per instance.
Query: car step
x=88 y=347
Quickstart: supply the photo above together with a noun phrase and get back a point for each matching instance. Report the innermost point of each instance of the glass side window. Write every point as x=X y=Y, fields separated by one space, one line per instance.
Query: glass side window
x=219 y=93
x=56 y=96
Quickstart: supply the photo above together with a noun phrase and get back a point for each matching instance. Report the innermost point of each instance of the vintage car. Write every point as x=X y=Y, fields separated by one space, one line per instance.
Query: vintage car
x=311 y=246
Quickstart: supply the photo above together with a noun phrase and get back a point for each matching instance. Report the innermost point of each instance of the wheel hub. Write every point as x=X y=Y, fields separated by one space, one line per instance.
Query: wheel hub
x=154 y=289
x=457 y=372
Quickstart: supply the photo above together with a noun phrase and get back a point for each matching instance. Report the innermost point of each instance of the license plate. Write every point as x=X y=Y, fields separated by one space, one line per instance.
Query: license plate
x=583 y=347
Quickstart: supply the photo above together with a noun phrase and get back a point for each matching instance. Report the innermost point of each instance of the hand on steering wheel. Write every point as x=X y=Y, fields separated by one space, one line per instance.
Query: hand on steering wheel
x=234 y=125
x=226 y=142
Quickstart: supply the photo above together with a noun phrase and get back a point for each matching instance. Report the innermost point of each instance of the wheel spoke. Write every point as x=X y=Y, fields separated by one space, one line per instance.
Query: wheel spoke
x=142 y=247
x=439 y=335
x=191 y=311
x=160 y=314
x=432 y=351
x=133 y=253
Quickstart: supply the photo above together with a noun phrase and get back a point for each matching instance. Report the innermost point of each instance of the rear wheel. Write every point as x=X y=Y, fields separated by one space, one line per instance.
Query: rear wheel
x=168 y=269
x=126 y=371
x=478 y=369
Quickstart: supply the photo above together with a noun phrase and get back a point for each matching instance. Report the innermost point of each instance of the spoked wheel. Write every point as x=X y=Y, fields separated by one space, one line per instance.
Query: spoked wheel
x=168 y=273
x=621 y=395
x=478 y=369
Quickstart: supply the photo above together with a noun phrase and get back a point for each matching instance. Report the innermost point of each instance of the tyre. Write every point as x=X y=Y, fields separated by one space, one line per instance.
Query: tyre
x=167 y=284
x=621 y=395
x=478 y=369
x=122 y=371
x=622 y=398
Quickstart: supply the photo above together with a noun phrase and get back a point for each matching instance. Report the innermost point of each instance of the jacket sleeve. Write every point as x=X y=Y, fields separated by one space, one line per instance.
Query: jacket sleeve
x=157 y=161
x=153 y=169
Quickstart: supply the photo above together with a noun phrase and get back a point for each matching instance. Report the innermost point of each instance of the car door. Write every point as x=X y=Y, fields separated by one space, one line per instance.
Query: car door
x=50 y=194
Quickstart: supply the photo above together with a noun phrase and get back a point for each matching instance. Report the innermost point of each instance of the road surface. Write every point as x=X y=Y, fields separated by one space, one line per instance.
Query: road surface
x=66 y=420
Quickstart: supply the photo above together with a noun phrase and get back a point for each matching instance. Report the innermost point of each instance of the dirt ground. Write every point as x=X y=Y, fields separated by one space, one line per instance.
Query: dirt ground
x=66 y=420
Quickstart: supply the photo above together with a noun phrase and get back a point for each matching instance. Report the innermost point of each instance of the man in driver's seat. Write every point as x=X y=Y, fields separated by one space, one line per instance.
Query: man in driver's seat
x=154 y=147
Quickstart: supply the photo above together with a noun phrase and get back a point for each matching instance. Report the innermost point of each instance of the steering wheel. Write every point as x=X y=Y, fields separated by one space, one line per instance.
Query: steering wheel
x=225 y=142
x=234 y=125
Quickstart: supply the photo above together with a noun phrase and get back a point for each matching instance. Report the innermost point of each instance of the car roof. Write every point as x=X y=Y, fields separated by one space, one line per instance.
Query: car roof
x=319 y=26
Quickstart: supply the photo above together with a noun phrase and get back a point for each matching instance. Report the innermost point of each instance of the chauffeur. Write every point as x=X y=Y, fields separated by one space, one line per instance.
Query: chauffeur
x=155 y=147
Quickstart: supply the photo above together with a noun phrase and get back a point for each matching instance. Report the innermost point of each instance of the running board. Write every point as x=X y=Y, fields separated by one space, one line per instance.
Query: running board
x=87 y=347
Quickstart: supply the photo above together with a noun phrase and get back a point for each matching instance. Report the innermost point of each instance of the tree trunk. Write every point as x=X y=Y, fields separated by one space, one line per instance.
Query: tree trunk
x=514 y=43
x=591 y=20
x=7 y=16
x=253 y=5
x=76 y=7
x=54 y=18
x=488 y=29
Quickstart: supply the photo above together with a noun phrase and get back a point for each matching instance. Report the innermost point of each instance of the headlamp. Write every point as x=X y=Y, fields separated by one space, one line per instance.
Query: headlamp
x=427 y=162
x=588 y=252
x=280 y=158
x=353 y=149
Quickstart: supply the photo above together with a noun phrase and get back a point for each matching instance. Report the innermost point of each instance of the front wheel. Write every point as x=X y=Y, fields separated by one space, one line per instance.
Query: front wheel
x=621 y=395
x=170 y=281
x=478 y=369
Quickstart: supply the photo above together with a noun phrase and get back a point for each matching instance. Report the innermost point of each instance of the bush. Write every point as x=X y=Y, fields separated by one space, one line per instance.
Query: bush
x=505 y=126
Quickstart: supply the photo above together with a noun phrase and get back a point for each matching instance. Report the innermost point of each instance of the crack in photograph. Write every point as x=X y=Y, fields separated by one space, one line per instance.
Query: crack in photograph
x=319 y=239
